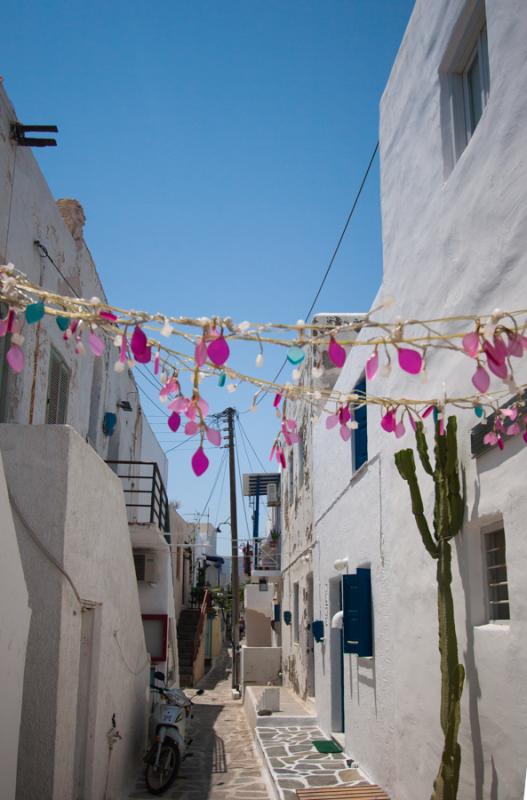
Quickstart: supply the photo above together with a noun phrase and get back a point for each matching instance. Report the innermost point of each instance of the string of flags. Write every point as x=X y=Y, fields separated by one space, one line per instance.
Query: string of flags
x=488 y=345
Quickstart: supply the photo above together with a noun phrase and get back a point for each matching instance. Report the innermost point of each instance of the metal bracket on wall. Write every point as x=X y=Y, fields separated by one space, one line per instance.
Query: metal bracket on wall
x=18 y=134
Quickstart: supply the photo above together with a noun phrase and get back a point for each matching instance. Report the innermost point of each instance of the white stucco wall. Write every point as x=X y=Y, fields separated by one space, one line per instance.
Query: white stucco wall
x=73 y=504
x=14 y=631
x=260 y=665
x=452 y=244
x=30 y=213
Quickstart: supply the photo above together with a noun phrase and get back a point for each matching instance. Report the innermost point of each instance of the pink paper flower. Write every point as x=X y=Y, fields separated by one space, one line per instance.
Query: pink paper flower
x=200 y=462
x=336 y=352
x=410 y=360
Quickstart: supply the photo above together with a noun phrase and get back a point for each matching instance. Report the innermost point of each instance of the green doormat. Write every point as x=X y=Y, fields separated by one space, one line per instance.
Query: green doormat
x=327 y=746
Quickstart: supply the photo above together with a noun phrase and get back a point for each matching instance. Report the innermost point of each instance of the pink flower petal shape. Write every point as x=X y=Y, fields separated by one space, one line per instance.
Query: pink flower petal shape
x=214 y=436
x=294 y=438
x=156 y=363
x=400 y=430
x=96 y=344
x=344 y=415
x=388 y=422
x=138 y=342
x=273 y=450
x=345 y=433
x=15 y=358
x=497 y=368
x=218 y=351
x=291 y=424
x=515 y=346
x=191 y=428
x=108 y=315
x=427 y=412
x=122 y=354
x=200 y=353
x=336 y=352
x=410 y=360
x=200 y=462
x=276 y=401
x=481 y=379
x=174 y=421
x=500 y=443
x=190 y=411
x=179 y=404
x=203 y=405
x=500 y=349
x=413 y=423
x=144 y=357
x=513 y=429
x=510 y=413
x=372 y=364
x=331 y=421
x=490 y=438
x=471 y=344
x=282 y=460
x=525 y=437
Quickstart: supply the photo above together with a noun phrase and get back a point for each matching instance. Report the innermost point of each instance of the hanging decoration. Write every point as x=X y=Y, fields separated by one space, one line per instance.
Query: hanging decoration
x=489 y=345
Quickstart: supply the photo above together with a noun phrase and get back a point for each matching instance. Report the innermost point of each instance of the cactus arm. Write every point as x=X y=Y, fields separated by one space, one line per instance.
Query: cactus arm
x=422 y=448
x=405 y=463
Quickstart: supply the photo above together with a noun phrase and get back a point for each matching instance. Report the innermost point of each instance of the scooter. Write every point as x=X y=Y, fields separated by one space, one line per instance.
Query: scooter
x=169 y=734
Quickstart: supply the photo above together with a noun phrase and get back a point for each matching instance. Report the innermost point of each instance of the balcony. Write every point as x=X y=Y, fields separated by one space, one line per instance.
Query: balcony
x=262 y=558
x=144 y=492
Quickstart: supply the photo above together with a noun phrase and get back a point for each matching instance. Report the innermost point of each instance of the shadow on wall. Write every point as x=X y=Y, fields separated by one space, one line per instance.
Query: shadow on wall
x=471 y=671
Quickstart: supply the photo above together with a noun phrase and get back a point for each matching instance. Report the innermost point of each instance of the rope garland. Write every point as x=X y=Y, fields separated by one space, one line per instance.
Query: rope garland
x=488 y=342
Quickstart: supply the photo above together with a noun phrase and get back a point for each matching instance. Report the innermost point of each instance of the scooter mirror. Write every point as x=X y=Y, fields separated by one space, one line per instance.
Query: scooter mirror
x=200 y=691
x=159 y=676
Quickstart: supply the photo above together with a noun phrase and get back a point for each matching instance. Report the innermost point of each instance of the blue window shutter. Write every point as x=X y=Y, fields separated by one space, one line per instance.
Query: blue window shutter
x=360 y=435
x=277 y=612
x=350 y=608
x=357 y=612
x=365 y=648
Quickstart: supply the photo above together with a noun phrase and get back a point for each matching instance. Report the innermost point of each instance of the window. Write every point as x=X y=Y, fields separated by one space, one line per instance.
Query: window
x=497 y=588
x=465 y=82
x=476 y=84
x=296 y=613
x=359 y=442
x=58 y=387
x=156 y=636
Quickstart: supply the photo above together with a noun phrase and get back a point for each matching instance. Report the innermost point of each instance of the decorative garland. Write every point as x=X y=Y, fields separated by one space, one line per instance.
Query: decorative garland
x=490 y=341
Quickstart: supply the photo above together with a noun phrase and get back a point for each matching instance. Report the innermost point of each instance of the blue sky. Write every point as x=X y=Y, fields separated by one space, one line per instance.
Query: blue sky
x=216 y=148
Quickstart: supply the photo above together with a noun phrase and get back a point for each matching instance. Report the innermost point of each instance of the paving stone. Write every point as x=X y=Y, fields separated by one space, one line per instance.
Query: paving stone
x=321 y=780
x=346 y=775
x=289 y=783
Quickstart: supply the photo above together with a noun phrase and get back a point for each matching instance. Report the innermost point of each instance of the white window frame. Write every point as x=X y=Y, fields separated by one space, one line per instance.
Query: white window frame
x=481 y=52
x=64 y=376
x=487 y=531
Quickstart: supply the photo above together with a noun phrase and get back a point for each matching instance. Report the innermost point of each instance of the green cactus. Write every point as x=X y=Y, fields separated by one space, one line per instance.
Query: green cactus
x=448 y=520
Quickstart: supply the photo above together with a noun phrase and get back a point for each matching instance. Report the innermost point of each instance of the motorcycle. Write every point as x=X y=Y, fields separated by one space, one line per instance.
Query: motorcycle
x=169 y=734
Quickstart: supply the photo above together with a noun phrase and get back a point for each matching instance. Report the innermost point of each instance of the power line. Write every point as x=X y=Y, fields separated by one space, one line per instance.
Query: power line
x=335 y=251
x=244 y=432
x=223 y=458
x=241 y=490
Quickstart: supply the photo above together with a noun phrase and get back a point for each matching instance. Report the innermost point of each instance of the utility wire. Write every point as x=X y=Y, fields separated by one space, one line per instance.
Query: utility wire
x=332 y=259
x=241 y=491
x=244 y=432
x=221 y=492
x=223 y=459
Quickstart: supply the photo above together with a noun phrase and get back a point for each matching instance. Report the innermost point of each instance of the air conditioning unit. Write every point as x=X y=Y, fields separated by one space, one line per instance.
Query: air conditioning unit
x=145 y=566
x=273 y=496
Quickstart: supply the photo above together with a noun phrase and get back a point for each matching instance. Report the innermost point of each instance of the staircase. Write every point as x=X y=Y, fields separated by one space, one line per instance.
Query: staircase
x=187 y=626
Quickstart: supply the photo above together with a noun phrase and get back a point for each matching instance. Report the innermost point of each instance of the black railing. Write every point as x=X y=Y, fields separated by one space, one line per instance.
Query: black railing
x=143 y=488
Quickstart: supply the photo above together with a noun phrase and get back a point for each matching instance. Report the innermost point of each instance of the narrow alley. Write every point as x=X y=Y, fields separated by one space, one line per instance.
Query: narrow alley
x=223 y=764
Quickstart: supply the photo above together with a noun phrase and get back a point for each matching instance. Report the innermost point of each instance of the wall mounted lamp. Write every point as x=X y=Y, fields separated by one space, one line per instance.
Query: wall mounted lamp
x=341 y=563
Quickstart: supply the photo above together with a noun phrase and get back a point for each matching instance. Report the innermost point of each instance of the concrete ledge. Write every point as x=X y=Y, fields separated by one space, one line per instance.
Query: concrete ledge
x=293 y=711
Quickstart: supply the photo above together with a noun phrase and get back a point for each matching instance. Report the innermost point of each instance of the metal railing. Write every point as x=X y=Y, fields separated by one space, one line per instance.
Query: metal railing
x=144 y=491
x=262 y=555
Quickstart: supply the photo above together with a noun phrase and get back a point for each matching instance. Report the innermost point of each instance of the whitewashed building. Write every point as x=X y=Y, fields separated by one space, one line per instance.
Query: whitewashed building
x=77 y=680
x=453 y=139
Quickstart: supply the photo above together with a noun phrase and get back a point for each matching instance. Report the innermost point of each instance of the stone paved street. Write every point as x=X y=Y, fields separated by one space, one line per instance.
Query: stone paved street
x=296 y=764
x=224 y=764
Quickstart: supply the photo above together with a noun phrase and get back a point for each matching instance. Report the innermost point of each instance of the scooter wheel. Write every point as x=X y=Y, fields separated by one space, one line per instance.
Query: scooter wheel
x=160 y=779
